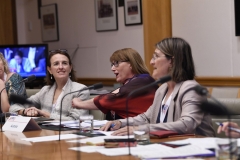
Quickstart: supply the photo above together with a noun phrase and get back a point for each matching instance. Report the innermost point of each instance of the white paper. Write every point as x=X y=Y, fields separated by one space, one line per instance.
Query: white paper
x=87 y=149
x=52 y=138
x=100 y=139
x=184 y=151
x=133 y=150
x=75 y=124
x=207 y=143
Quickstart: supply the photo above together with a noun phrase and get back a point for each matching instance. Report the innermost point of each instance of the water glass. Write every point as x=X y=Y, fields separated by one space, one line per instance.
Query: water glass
x=8 y=114
x=142 y=134
x=86 y=122
x=226 y=149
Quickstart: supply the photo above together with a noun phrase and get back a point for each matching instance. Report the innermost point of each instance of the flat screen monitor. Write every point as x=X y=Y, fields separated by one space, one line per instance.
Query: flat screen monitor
x=29 y=59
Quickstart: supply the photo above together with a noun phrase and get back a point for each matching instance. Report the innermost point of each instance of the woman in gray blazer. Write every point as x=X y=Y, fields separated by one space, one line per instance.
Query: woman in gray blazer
x=173 y=108
x=60 y=80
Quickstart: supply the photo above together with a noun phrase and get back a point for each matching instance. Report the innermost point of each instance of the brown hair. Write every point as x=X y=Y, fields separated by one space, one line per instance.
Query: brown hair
x=62 y=52
x=5 y=64
x=131 y=56
x=180 y=52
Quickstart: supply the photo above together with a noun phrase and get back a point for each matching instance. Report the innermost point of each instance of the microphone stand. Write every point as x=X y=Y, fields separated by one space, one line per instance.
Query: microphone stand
x=161 y=80
x=95 y=86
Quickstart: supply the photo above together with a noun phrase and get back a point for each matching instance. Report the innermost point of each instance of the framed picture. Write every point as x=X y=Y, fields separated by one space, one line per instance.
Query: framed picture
x=106 y=15
x=132 y=12
x=49 y=23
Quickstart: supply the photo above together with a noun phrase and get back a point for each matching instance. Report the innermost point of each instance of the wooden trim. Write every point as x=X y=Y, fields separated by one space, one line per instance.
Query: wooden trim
x=219 y=81
x=205 y=81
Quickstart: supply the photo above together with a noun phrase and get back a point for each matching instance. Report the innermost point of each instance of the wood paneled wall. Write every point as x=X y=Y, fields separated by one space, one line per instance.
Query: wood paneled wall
x=8 y=27
x=156 y=25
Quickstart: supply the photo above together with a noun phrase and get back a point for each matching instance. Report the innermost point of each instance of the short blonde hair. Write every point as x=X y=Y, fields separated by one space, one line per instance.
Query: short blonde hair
x=5 y=64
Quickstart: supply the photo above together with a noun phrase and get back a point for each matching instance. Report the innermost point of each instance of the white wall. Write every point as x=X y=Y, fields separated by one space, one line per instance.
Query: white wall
x=76 y=20
x=209 y=27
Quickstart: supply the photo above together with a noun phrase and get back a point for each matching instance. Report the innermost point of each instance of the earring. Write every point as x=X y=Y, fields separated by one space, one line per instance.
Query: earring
x=51 y=76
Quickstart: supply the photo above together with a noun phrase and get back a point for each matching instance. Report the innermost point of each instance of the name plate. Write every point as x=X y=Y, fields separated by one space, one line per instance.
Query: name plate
x=20 y=124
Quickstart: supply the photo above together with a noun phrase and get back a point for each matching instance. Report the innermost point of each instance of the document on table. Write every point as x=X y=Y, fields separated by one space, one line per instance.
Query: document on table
x=207 y=143
x=149 y=151
x=52 y=138
x=75 y=124
x=100 y=139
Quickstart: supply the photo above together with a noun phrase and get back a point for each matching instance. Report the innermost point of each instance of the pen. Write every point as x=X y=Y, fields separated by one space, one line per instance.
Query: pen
x=231 y=128
x=112 y=125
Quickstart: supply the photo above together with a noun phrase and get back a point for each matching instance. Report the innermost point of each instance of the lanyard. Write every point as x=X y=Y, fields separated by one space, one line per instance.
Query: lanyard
x=164 y=108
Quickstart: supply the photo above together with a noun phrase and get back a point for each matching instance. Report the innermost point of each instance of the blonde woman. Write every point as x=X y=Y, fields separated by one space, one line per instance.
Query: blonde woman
x=11 y=81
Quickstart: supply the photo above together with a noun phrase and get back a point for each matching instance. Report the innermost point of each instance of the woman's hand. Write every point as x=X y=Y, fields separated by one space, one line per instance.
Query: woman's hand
x=31 y=112
x=34 y=112
x=113 y=125
x=76 y=102
x=224 y=128
x=124 y=131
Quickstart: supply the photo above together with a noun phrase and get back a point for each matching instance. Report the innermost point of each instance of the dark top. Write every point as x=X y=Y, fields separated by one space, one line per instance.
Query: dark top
x=137 y=103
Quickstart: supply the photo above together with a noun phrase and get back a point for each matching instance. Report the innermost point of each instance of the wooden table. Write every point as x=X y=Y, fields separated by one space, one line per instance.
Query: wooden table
x=11 y=149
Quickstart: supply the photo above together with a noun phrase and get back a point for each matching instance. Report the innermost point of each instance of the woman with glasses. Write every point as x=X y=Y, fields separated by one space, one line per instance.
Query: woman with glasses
x=132 y=73
x=174 y=108
x=60 y=81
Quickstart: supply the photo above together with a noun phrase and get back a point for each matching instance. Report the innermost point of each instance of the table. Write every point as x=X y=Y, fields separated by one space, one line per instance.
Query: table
x=11 y=149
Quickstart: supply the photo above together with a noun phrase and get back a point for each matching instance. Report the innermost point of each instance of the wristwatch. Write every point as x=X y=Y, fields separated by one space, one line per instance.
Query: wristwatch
x=23 y=112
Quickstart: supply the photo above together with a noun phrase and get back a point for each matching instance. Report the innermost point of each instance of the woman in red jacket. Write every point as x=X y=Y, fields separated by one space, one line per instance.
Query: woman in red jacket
x=132 y=73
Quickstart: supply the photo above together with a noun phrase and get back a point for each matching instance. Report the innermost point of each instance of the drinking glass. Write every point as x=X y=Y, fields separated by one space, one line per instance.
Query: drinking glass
x=8 y=114
x=226 y=148
x=142 y=133
x=85 y=123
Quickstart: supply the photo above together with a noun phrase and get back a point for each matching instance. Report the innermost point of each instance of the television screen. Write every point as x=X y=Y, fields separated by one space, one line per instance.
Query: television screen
x=26 y=59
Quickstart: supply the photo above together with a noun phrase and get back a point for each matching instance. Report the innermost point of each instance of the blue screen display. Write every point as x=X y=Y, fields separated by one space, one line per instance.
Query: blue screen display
x=26 y=59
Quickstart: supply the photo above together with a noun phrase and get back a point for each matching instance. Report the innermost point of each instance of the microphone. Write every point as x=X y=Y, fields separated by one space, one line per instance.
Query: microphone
x=19 y=99
x=95 y=86
x=161 y=80
x=29 y=79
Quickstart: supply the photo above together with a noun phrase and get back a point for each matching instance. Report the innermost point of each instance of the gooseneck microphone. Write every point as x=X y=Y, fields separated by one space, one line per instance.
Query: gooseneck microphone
x=19 y=99
x=215 y=108
x=139 y=90
x=29 y=79
x=95 y=86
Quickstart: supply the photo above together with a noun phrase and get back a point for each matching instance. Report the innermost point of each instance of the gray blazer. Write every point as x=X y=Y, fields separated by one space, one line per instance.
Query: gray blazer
x=183 y=117
x=43 y=100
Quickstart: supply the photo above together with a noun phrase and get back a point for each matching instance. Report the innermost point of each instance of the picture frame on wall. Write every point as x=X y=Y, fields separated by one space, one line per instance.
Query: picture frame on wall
x=106 y=15
x=133 y=12
x=49 y=23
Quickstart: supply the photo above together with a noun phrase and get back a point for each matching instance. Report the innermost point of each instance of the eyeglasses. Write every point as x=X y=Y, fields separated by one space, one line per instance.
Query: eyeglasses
x=116 y=63
x=58 y=51
x=155 y=56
